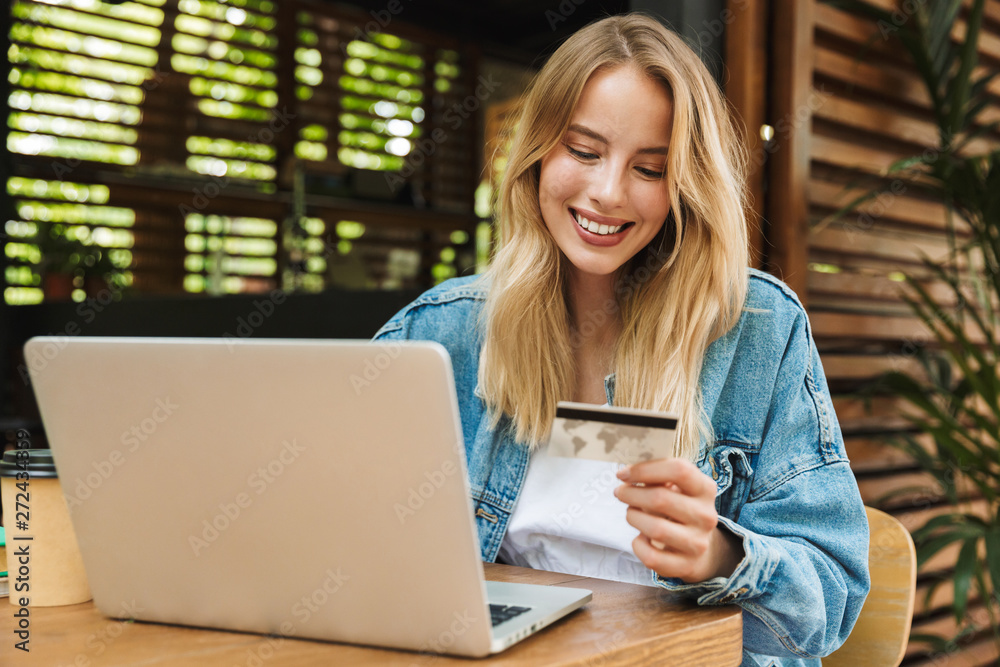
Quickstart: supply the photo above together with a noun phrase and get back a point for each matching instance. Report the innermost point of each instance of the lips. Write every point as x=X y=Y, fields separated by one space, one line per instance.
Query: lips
x=598 y=224
x=600 y=230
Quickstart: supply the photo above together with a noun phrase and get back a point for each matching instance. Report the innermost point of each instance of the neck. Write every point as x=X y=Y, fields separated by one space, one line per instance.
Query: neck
x=594 y=308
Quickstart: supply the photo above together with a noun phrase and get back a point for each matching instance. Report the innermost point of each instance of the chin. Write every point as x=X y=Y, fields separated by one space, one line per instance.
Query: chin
x=590 y=267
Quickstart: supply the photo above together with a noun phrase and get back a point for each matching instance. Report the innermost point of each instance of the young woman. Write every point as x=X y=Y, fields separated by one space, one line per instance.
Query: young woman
x=621 y=277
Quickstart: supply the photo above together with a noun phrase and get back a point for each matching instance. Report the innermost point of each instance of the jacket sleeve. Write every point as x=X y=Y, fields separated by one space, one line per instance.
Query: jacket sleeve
x=804 y=577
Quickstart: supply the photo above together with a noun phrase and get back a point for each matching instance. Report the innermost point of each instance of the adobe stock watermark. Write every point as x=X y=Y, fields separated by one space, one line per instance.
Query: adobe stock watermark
x=132 y=439
x=38 y=359
x=308 y=605
x=373 y=367
x=590 y=492
x=455 y=116
x=302 y=610
x=874 y=211
x=792 y=120
x=460 y=624
x=229 y=512
x=381 y=20
x=594 y=320
x=885 y=198
x=899 y=16
x=65 y=166
x=607 y=647
x=87 y=310
x=716 y=28
x=280 y=120
x=97 y=642
x=565 y=9
x=262 y=310
x=420 y=494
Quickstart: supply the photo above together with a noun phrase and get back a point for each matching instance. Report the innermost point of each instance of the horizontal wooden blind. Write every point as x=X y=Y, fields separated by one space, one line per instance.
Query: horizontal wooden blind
x=239 y=145
x=77 y=78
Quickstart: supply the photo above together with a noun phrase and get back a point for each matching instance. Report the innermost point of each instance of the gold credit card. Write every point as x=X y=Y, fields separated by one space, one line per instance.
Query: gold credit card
x=619 y=435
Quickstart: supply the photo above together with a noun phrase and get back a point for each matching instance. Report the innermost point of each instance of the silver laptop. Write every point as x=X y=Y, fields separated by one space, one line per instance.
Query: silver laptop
x=312 y=489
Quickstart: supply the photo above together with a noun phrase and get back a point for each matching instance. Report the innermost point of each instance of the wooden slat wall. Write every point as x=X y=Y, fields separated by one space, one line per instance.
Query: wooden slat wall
x=852 y=117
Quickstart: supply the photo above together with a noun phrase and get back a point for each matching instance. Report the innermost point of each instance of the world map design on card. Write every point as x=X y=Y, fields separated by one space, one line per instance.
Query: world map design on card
x=618 y=435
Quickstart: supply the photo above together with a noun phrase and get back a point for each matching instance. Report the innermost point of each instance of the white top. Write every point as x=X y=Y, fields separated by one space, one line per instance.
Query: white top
x=567 y=519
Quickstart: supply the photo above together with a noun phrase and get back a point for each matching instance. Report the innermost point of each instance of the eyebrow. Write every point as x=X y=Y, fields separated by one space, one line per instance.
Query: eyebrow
x=586 y=131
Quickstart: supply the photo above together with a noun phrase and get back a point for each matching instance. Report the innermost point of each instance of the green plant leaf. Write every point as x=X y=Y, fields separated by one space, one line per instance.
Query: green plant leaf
x=932 y=314
x=947 y=430
x=960 y=84
x=937 y=643
x=845 y=209
x=986 y=385
x=993 y=555
x=933 y=524
x=979 y=93
x=941 y=17
x=925 y=491
x=965 y=570
x=956 y=399
x=928 y=547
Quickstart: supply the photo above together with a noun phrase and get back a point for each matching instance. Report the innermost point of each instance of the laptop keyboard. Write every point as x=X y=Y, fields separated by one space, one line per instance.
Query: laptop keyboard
x=500 y=613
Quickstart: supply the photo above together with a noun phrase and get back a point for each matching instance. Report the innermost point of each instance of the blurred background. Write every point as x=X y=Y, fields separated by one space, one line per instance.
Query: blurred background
x=169 y=162
x=304 y=168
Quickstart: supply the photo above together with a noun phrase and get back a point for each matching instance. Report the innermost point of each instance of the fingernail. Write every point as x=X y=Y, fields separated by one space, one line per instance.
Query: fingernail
x=624 y=473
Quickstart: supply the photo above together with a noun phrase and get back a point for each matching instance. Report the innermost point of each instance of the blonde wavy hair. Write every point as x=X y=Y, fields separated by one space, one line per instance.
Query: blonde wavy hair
x=676 y=296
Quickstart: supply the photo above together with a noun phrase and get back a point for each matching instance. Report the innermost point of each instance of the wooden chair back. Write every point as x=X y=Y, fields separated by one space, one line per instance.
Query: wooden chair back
x=879 y=638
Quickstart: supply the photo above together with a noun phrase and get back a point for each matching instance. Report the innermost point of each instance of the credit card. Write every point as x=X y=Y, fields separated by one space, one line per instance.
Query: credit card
x=619 y=435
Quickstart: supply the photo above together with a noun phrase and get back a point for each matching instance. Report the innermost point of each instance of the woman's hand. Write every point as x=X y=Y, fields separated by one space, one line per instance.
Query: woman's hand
x=673 y=507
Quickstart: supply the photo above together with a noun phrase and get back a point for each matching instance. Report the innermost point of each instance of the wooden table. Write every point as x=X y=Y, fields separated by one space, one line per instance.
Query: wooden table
x=624 y=624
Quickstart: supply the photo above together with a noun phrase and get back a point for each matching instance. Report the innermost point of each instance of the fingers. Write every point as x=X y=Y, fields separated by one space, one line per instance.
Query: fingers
x=671 y=503
x=666 y=563
x=669 y=536
x=682 y=473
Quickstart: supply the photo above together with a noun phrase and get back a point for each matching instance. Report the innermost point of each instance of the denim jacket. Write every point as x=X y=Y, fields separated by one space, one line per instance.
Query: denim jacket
x=785 y=485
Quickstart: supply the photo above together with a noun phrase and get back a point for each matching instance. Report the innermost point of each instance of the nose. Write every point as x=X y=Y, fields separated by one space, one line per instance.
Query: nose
x=608 y=187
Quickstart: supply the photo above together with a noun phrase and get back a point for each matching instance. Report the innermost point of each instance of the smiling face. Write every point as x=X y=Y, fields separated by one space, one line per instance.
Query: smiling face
x=602 y=191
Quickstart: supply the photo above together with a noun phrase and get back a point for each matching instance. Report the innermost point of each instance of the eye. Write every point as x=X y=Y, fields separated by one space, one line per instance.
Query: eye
x=649 y=173
x=581 y=154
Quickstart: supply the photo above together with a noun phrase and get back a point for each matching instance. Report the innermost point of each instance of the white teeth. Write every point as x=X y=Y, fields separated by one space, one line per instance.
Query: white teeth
x=595 y=228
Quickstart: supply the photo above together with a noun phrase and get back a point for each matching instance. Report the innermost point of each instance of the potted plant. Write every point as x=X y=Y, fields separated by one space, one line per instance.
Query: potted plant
x=68 y=263
x=957 y=398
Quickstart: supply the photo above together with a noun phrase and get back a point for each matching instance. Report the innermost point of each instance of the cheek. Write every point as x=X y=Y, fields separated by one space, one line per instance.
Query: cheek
x=557 y=181
x=654 y=203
